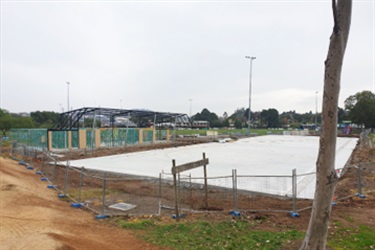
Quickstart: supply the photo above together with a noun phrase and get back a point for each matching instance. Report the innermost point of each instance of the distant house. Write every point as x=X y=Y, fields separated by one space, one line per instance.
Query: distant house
x=24 y=114
x=201 y=124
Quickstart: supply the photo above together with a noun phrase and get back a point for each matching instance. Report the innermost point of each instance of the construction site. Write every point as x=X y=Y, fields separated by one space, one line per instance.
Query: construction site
x=123 y=168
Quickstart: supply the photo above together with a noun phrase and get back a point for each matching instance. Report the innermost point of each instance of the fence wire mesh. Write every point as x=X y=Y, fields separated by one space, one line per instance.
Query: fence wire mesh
x=119 y=137
x=103 y=191
x=33 y=138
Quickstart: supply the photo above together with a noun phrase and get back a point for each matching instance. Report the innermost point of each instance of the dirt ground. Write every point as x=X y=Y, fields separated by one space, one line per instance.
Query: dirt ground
x=32 y=217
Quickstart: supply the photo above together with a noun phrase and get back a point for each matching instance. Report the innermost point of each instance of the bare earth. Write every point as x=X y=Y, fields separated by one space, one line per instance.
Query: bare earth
x=32 y=217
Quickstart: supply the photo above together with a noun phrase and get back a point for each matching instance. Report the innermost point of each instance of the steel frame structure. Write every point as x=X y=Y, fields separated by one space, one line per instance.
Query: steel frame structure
x=70 y=120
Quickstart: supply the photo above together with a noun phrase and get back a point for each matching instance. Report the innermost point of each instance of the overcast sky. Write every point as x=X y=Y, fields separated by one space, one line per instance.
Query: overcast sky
x=159 y=55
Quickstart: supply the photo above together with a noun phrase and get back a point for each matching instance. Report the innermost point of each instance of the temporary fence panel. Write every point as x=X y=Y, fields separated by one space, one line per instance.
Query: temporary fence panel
x=119 y=137
x=75 y=138
x=132 y=195
x=90 y=138
x=191 y=192
x=148 y=136
x=59 y=139
x=305 y=185
x=161 y=135
x=36 y=138
x=128 y=136
x=271 y=193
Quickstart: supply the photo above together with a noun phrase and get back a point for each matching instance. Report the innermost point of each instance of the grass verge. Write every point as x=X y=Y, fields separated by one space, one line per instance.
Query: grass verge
x=351 y=238
x=211 y=235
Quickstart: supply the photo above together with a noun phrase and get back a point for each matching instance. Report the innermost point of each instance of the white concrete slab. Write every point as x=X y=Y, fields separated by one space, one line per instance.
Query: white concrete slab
x=264 y=155
x=123 y=206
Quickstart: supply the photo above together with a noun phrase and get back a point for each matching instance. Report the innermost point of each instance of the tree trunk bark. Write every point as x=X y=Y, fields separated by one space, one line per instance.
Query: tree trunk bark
x=326 y=178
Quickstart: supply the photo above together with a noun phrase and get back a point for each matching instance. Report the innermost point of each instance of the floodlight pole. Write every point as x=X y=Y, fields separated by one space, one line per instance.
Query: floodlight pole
x=190 y=107
x=251 y=58
x=68 y=83
x=316 y=109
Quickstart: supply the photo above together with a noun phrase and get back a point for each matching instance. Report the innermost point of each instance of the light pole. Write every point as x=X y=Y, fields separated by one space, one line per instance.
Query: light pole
x=68 y=83
x=190 y=100
x=316 y=109
x=251 y=58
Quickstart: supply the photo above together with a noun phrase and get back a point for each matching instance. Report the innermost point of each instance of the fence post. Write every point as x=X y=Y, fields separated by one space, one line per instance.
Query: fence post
x=294 y=213
x=12 y=148
x=294 y=189
x=41 y=168
x=54 y=172
x=24 y=153
x=66 y=177
x=103 y=195
x=159 y=211
x=80 y=184
x=175 y=189
x=359 y=179
x=191 y=190
x=234 y=183
x=205 y=181
x=179 y=188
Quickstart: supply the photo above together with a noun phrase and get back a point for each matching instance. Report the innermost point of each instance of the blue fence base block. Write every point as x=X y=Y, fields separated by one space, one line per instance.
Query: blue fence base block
x=38 y=172
x=22 y=163
x=43 y=179
x=30 y=167
x=294 y=214
x=235 y=213
x=360 y=195
x=52 y=186
x=101 y=217
x=77 y=205
x=61 y=195
x=179 y=216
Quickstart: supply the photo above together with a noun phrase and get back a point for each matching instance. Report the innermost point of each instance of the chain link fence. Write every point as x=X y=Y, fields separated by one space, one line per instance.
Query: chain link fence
x=108 y=193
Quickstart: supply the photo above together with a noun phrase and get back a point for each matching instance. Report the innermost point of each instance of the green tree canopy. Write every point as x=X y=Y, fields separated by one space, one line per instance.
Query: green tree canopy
x=361 y=108
x=270 y=118
x=8 y=121
x=45 y=119
x=211 y=117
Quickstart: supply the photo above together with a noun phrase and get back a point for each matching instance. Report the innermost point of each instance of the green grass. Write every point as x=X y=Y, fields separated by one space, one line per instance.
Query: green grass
x=350 y=238
x=216 y=235
x=239 y=235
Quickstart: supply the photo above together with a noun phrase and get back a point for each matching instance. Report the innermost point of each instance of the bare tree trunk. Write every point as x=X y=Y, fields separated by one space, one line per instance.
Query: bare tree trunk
x=326 y=178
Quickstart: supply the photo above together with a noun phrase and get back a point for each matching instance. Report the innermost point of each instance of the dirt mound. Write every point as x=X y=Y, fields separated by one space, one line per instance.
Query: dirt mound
x=32 y=217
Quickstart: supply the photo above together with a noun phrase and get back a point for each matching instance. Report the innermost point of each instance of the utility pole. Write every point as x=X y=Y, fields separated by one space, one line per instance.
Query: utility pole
x=68 y=83
x=251 y=58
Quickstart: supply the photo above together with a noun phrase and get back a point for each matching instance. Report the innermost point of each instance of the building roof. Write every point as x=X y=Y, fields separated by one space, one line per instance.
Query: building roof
x=70 y=120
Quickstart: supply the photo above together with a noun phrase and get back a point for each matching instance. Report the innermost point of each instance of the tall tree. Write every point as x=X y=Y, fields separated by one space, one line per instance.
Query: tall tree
x=6 y=123
x=206 y=115
x=361 y=107
x=341 y=115
x=45 y=119
x=352 y=100
x=270 y=118
x=326 y=178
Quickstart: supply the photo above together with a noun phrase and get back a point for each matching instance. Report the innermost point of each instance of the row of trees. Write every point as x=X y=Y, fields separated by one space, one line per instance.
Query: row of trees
x=359 y=108
x=38 y=119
